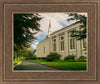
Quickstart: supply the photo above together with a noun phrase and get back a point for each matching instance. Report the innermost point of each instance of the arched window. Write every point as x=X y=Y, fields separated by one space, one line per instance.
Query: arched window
x=62 y=43
x=62 y=38
x=54 y=44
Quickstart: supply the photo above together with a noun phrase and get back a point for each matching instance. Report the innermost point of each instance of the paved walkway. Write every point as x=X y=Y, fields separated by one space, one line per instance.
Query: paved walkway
x=30 y=65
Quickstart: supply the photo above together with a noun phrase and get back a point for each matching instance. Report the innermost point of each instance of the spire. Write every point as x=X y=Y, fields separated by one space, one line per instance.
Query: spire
x=49 y=23
x=49 y=29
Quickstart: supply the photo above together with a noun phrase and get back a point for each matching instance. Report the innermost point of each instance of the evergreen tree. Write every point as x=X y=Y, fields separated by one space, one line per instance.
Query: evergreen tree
x=79 y=34
x=25 y=26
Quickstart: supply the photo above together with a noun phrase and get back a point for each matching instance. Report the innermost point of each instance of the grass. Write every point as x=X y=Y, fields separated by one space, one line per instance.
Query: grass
x=65 y=65
x=16 y=62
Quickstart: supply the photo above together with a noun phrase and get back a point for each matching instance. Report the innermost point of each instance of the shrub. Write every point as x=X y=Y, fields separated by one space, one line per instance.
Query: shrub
x=53 y=57
x=31 y=58
x=82 y=59
x=41 y=58
x=70 y=58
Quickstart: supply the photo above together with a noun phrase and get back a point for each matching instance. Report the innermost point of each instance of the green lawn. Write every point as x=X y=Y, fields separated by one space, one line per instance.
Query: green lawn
x=65 y=65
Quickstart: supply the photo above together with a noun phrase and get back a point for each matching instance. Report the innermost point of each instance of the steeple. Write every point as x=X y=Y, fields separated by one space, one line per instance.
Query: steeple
x=49 y=23
x=49 y=29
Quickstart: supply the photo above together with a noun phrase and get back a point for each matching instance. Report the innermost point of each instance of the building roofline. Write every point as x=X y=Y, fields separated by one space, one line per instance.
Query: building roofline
x=65 y=27
x=61 y=29
x=43 y=40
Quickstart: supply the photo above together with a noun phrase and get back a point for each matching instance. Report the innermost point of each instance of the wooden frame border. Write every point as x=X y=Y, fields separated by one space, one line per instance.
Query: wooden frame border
x=94 y=80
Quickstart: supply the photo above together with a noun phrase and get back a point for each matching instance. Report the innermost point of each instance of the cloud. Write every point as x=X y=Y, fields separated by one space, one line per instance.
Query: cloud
x=34 y=45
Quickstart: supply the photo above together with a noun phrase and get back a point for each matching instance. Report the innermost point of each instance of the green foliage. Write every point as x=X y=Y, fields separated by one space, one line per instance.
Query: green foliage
x=31 y=58
x=53 y=57
x=70 y=58
x=41 y=58
x=82 y=59
x=25 y=26
x=79 y=34
x=29 y=54
x=24 y=53
x=16 y=62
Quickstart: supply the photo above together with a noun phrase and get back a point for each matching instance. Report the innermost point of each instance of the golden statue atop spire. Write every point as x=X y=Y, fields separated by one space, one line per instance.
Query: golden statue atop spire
x=49 y=29
x=49 y=23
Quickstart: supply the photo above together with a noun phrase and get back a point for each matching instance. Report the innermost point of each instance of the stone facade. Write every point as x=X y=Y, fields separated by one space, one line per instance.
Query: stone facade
x=62 y=43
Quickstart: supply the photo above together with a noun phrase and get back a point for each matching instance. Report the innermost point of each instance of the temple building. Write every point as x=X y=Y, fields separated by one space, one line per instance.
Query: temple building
x=61 y=42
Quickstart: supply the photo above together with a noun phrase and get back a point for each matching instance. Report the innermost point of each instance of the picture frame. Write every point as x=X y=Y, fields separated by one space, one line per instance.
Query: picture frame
x=8 y=7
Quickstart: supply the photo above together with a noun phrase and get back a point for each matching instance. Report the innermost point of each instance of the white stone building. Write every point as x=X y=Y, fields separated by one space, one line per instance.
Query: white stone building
x=62 y=43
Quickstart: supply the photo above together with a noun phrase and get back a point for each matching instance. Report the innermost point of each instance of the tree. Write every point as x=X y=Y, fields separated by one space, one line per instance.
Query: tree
x=79 y=34
x=25 y=26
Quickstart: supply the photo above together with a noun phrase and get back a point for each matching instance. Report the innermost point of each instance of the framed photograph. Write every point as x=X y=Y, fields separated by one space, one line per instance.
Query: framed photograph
x=58 y=41
x=49 y=42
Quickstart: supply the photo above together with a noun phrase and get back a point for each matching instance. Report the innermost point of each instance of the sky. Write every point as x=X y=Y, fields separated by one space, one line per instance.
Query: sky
x=58 y=21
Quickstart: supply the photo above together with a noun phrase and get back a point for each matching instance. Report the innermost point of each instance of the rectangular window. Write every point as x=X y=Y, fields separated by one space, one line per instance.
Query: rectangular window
x=84 y=43
x=54 y=46
x=62 y=42
x=72 y=43
x=62 y=45
x=44 y=49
